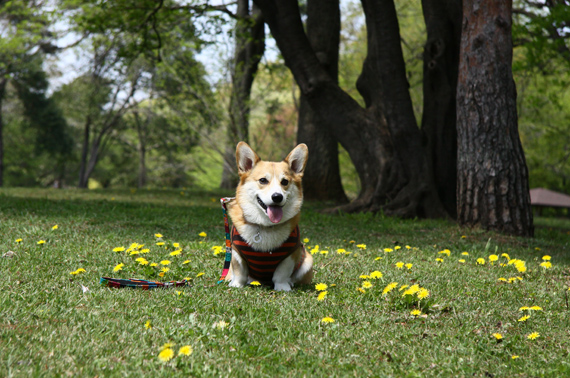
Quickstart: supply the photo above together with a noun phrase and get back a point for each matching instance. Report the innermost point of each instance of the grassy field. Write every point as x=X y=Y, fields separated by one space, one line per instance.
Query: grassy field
x=54 y=323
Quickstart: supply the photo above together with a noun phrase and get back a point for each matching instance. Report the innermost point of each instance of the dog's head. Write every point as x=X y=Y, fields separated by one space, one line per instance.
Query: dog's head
x=270 y=193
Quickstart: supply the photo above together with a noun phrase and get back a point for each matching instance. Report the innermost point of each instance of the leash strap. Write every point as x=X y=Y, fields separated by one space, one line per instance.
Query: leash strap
x=139 y=284
x=228 y=260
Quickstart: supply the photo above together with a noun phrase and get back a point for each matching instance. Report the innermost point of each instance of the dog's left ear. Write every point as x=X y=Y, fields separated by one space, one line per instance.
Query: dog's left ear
x=297 y=159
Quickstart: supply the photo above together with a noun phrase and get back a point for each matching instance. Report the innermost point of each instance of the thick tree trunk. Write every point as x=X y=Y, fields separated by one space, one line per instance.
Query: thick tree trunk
x=382 y=140
x=321 y=180
x=441 y=63
x=84 y=153
x=2 y=92
x=492 y=188
x=250 y=45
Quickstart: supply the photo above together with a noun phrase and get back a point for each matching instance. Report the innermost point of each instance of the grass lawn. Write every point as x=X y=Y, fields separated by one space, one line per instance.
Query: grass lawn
x=50 y=326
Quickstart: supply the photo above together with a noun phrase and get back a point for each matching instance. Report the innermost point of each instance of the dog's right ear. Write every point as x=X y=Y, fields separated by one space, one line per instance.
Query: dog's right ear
x=246 y=158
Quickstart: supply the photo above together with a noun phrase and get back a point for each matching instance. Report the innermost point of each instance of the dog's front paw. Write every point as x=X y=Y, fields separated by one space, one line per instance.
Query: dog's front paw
x=236 y=283
x=282 y=286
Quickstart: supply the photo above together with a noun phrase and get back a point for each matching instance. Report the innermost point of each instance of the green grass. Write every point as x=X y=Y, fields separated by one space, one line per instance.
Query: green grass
x=49 y=327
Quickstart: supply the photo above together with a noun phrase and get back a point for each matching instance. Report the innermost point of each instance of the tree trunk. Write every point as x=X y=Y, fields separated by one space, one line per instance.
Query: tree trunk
x=383 y=139
x=250 y=45
x=141 y=133
x=321 y=180
x=84 y=153
x=492 y=186
x=441 y=63
x=2 y=93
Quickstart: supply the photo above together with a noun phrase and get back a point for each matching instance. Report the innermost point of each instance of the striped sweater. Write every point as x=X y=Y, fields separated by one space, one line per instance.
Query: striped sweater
x=262 y=265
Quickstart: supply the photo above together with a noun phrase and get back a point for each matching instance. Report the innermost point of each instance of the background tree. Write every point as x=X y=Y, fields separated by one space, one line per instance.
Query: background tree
x=492 y=183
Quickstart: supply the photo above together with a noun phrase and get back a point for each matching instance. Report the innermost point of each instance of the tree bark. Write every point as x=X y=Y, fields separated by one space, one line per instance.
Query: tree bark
x=382 y=139
x=2 y=93
x=441 y=64
x=492 y=188
x=321 y=180
x=250 y=46
x=84 y=153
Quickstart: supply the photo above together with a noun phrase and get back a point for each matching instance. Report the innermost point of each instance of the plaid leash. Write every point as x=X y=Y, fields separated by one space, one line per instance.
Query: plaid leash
x=139 y=284
x=228 y=260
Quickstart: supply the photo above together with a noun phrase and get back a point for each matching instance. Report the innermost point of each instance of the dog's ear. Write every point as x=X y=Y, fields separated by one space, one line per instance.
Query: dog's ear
x=246 y=157
x=297 y=159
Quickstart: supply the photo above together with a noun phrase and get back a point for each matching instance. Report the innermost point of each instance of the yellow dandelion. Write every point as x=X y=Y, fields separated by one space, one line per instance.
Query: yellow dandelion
x=481 y=261
x=186 y=262
x=465 y=253
x=19 y=240
x=165 y=262
x=352 y=242
x=165 y=270
x=375 y=275
x=378 y=258
x=366 y=285
x=361 y=246
x=524 y=308
x=403 y=287
x=463 y=237
x=186 y=350
x=153 y=264
x=493 y=258
x=55 y=227
x=364 y=276
x=340 y=251
x=322 y=295
x=408 y=247
x=200 y=274
x=389 y=288
x=533 y=336
x=502 y=279
x=446 y=252
x=505 y=255
x=175 y=253
x=146 y=250
x=439 y=259
x=166 y=355
x=134 y=253
x=411 y=290
x=255 y=283
x=42 y=242
x=546 y=264
x=524 y=318
x=324 y=252
x=546 y=258
x=147 y=325
x=462 y=261
x=158 y=235
x=415 y=312
x=423 y=293
x=306 y=240
x=327 y=319
x=497 y=336
x=399 y=265
x=202 y=234
x=409 y=266
x=321 y=286
x=118 y=267
x=397 y=247
x=361 y=290
x=314 y=250
x=160 y=243
x=536 y=308
x=514 y=357
x=161 y=274
x=388 y=250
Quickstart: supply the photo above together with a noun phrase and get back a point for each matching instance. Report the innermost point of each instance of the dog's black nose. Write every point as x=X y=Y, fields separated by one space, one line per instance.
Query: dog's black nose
x=277 y=197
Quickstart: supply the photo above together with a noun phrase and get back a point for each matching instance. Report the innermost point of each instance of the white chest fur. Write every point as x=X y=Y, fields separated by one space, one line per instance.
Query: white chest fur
x=265 y=238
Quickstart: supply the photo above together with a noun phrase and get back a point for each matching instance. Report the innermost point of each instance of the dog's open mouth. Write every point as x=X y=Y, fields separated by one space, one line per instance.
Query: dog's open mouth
x=275 y=213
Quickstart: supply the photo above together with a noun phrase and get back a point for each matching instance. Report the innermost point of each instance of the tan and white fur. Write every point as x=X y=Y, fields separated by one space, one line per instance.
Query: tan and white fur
x=266 y=210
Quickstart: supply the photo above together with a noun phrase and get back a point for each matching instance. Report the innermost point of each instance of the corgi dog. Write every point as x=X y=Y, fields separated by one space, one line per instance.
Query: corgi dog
x=266 y=243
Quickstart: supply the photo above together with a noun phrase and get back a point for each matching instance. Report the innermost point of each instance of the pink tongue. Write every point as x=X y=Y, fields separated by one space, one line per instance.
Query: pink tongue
x=275 y=213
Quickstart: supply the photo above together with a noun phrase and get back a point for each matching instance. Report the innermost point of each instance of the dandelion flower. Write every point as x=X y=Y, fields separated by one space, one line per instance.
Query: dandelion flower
x=321 y=286
x=399 y=265
x=505 y=255
x=322 y=295
x=367 y=285
x=364 y=276
x=166 y=355
x=118 y=249
x=387 y=250
x=536 y=308
x=361 y=290
x=481 y=261
x=200 y=274
x=340 y=251
x=446 y=252
x=514 y=357
x=161 y=274
x=327 y=319
x=55 y=227
x=118 y=267
x=186 y=262
x=314 y=250
x=465 y=253
x=524 y=308
x=361 y=246
x=397 y=247
x=524 y=318
x=202 y=234
x=493 y=258
x=497 y=336
x=165 y=262
x=502 y=279
x=403 y=287
x=423 y=293
x=147 y=325
x=389 y=288
x=408 y=247
x=439 y=259
x=533 y=335
x=160 y=243
x=463 y=237
x=153 y=264
x=146 y=250
x=42 y=242
x=165 y=270
x=306 y=240
x=409 y=266
x=415 y=312
x=324 y=252
x=546 y=264
x=378 y=258
x=255 y=283
x=376 y=274
x=185 y=350
x=175 y=253
x=546 y=258
x=462 y=261
x=411 y=290
x=158 y=235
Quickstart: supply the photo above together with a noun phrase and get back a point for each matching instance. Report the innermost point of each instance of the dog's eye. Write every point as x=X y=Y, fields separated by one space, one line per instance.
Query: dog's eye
x=284 y=182
x=263 y=181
